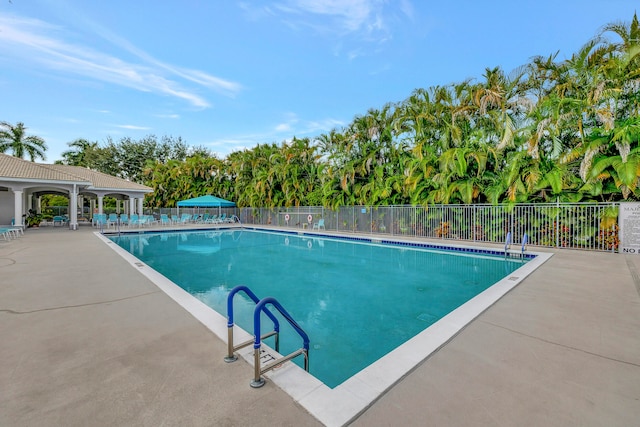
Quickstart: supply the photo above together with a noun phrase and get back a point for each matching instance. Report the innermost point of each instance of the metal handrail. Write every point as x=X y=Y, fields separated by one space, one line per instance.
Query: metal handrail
x=258 y=381
x=507 y=242
x=524 y=242
x=231 y=357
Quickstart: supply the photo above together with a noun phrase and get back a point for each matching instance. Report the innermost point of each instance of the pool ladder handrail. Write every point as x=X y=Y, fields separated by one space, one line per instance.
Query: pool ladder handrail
x=258 y=381
x=231 y=349
x=507 y=242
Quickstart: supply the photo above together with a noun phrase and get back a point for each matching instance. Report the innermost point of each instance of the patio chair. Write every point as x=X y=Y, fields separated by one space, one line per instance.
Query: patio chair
x=113 y=219
x=16 y=230
x=185 y=218
x=150 y=220
x=124 y=219
x=134 y=220
x=100 y=220
x=7 y=233
x=318 y=225
x=175 y=219
x=164 y=219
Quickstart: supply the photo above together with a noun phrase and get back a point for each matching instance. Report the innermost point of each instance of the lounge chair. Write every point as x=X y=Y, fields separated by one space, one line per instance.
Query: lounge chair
x=175 y=219
x=100 y=220
x=124 y=219
x=7 y=233
x=113 y=219
x=318 y=225
x=134 y=220
x=185 y=218
x=149 y=220
x=16 y=230
x=164 y=219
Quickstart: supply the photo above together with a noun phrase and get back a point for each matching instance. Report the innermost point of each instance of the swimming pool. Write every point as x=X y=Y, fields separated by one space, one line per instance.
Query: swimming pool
x=342 y=404
x=356 y=299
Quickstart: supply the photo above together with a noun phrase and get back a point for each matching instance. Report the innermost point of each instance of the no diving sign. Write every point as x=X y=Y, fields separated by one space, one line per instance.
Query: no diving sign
x=629 y=228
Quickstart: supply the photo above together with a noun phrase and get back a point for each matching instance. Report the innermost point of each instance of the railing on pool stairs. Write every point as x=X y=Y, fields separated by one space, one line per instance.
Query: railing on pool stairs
x=507 y=242
x=261 y=306
x=507 y=245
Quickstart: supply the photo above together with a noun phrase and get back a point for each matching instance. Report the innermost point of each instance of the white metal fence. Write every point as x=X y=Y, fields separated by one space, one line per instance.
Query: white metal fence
x=588 y=226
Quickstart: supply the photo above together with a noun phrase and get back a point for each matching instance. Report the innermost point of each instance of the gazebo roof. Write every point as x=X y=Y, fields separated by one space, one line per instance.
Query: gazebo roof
x=205 y=201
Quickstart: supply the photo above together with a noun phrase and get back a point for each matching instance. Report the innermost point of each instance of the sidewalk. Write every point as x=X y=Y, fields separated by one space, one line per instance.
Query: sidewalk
x=86 y=340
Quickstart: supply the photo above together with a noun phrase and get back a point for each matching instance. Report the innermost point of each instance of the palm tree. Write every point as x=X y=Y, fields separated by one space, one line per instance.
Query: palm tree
x=14 y=138
x=82 y=153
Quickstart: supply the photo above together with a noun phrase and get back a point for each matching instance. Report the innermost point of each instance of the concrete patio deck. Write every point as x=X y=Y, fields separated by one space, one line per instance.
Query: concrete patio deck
x=85 y=339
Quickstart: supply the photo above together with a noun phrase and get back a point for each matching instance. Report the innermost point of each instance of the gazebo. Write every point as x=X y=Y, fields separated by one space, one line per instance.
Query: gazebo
x=22 y=183
x=206 y=202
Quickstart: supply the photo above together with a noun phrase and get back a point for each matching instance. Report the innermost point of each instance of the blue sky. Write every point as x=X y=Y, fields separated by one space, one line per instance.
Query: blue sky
x=231 y=74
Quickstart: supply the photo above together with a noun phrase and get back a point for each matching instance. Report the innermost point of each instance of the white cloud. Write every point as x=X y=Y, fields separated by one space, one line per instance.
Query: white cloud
x=407 y=8
x=35 y=41
x=290 y=120
x=365 y=18
x=353 y=14
x=283 y=127
x=133 y=127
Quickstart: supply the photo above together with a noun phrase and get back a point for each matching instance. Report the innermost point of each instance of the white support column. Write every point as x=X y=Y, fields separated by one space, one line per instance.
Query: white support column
x=118 y=206
x=73 y=209
x=132 y=206
x=25 y=206
x=81 y=205
x=92 y=207
x=17 y=208
x=39 y=205
x=100 y=200
x=140 y=210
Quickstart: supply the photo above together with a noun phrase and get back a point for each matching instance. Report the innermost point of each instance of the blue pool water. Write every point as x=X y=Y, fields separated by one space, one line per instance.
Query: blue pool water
x=357 y=301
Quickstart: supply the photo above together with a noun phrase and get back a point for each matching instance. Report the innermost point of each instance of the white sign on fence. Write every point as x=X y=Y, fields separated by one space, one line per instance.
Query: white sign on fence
x=629 y=223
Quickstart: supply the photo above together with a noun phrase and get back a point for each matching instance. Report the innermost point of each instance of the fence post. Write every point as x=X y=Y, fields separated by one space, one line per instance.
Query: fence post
x=511 y=225
x=473 y=223
x=557 y=225
x=353 y=216
x=392 y=209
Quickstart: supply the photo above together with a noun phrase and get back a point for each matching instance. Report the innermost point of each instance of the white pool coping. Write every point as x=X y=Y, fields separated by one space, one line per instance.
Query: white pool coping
x=342 y=404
